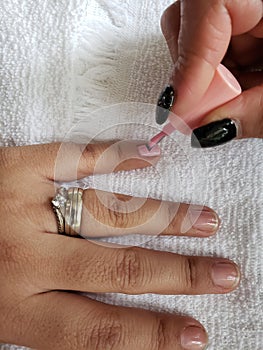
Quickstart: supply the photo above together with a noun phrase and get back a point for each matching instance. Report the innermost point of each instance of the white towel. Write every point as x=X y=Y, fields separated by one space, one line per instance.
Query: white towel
x=62 y=60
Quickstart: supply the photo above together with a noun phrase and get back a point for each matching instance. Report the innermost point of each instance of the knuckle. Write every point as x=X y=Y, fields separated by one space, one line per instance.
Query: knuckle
x=112 y=212
x=117 y=213
x=89 y=157
x=86 y=152
x=106 y=209
x=105 y=334
x=174 y=217
x=119 y=152
x=93 y=204
x=190 y=274
x=160 y=337
x=128 y=272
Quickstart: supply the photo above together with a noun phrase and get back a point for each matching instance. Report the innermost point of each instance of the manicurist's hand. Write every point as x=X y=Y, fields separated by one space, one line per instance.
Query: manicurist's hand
x=201 y=34
x=40 y=269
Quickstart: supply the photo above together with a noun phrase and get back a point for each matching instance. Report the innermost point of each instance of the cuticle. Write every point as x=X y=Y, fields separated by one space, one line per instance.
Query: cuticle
x=238 y=126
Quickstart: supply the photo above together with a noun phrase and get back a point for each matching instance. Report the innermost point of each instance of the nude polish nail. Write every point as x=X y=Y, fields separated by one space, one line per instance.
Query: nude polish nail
x=201 y=219
x=204 y=220
x=194 y=338
x=225 y=275
x=145 y=152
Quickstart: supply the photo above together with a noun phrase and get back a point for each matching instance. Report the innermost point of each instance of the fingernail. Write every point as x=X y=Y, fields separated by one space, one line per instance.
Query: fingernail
x=204 y=220
x=194 y=338
x=130 y=149
x=225 y=275
x=135 y=150
x=164 y=104
x=145 y=152
x=214 y=134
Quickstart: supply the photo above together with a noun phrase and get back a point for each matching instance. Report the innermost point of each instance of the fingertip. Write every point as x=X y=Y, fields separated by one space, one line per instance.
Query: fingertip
x=170 y=25
x=202 y=44
x=136 y=155
x=194 y=337
x=225 y=275
x=239 y=118
x=200 y=221
x=145 y=152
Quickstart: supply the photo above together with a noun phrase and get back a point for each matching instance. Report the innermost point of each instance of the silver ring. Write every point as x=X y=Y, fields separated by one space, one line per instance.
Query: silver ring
x=67 y=206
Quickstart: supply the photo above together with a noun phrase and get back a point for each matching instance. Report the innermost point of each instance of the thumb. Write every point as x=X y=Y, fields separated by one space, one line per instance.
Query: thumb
x=239 y=118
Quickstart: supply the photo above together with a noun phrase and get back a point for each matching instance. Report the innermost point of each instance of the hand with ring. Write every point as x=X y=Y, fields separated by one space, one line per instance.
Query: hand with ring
x=40 y=269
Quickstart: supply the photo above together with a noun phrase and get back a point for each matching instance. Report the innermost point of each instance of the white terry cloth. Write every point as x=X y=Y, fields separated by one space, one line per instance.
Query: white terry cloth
x=61 y=60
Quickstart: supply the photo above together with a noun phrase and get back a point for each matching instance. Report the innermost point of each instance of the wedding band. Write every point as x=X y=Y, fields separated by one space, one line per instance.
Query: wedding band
x=67 y=206
x=58 y=205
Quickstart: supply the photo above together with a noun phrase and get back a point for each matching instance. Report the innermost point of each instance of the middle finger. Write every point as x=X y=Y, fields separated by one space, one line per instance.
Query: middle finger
x=81 y=265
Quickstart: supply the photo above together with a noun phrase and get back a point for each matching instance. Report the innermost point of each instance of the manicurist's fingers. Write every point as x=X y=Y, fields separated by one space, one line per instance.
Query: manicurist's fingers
x=69 y=161
x=205 y=32
x=75 y=264
x=57 y=320
x=110 y=214
x=241 y=117
x=170 y=24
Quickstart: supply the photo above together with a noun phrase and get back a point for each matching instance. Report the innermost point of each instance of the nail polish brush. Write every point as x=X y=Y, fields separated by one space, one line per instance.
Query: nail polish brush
x=223 y=88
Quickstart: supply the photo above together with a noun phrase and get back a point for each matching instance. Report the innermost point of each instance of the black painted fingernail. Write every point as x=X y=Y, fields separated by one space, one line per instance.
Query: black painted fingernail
x=164 y=104
x=214 y=134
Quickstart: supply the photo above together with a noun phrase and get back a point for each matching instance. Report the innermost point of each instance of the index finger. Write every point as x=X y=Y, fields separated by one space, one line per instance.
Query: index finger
x=68 y=161
x=205 y=32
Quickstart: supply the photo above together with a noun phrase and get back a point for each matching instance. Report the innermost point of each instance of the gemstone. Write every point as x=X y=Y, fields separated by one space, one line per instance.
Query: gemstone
x=60 y=198
x=55 y=203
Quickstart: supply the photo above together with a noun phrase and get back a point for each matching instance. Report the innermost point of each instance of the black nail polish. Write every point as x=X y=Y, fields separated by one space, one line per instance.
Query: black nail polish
x=214 y=134
x=164 y=104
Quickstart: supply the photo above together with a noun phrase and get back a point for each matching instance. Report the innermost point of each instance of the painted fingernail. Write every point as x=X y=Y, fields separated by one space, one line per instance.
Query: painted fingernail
x=204 y=220
x=145 y=152
x=225 y=275
x=194 y=338
x=214 y=134
x=164 y=104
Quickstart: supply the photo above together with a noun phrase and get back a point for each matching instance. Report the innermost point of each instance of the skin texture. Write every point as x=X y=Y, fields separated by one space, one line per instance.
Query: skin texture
x=230 y=32
x=40 y=270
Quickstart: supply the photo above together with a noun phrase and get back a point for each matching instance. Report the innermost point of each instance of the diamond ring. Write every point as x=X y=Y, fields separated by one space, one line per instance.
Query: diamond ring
x=67 y=206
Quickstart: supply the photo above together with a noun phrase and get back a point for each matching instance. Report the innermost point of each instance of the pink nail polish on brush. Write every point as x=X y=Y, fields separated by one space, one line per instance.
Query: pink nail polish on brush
x=223 y=88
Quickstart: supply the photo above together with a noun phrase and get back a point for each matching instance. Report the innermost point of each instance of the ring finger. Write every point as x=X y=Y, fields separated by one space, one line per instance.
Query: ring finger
x=109 y=214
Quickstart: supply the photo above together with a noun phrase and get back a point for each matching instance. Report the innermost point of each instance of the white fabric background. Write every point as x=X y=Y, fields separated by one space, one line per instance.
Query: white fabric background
x=61 y=60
